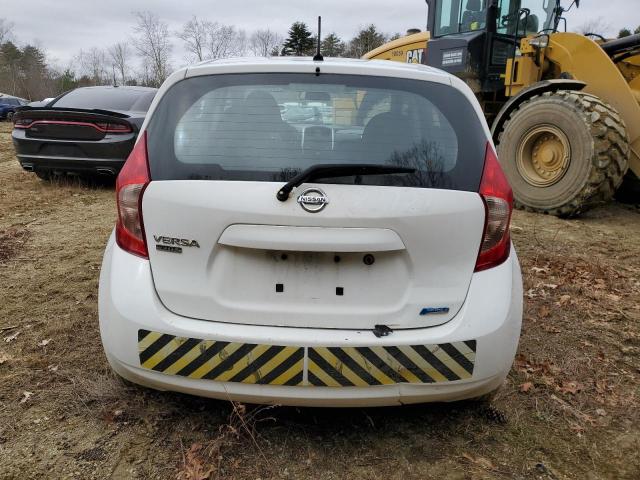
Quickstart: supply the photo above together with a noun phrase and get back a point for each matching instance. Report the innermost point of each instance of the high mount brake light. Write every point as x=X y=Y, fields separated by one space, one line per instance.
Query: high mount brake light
x=498 y=204
x=130 y=185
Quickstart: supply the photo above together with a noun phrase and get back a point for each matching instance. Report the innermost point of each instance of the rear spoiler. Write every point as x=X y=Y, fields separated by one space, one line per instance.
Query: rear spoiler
x=96 y=111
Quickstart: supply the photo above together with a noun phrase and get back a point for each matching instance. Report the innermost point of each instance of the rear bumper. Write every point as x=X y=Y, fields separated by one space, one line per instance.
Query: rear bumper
x=489 y=320
x=32 y=163
x=104 y=156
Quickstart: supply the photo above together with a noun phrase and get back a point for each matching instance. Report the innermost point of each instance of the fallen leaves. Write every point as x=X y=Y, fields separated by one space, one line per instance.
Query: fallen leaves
x=113 y=416
x=528 y=366
x=544 y=312
x=5 y=357
x=525 y=387
x=194 y=465
x=44 y=343
x=572 y=387
x=11 y=338
x=479 y=461
x=26 y=396
x=540 y=269
x=547 y=373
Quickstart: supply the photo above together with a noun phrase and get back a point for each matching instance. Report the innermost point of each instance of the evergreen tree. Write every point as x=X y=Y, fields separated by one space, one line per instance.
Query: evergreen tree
x=299 y=42
x=637 y=30
x=333 y=46
x=67 y=80
x=33 y=69
x=625 y=32
x=366 y=40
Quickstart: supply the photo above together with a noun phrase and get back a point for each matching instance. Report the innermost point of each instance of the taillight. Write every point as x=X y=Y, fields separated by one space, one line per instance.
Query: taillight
x=130 y=186
x=104 y=127
x=22 y=123
x=498 y=204
x=113 y=127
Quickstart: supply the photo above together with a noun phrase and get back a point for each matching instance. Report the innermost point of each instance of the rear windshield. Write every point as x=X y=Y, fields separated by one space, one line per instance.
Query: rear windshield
x=269 y=127
x=126 y=100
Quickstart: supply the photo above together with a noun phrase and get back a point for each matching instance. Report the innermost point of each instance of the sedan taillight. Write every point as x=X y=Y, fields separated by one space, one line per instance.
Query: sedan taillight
x=498 y=204
x=22 y=123
x=130 y=185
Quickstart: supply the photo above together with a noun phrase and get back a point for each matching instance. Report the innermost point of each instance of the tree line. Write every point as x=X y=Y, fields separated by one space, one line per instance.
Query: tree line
x=625 y=32
x=146 y=57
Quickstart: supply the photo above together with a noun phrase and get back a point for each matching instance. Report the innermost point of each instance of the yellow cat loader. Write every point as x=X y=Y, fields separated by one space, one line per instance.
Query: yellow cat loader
x=564 y=107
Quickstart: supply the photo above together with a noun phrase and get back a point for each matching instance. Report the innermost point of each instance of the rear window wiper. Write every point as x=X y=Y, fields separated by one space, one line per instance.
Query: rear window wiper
x=333 y=170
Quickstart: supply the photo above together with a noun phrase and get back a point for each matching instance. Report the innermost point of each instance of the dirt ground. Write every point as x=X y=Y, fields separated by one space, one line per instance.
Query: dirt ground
x=569 y=409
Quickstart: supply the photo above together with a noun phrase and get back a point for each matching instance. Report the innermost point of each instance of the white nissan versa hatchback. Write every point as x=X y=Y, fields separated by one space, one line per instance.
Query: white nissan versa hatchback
x=327 y=233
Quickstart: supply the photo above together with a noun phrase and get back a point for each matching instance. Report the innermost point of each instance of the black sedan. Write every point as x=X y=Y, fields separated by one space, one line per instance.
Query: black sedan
x=85 y=132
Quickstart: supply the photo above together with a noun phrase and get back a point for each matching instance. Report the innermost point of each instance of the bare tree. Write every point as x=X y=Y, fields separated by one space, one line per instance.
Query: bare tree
x=6 y=30
x=93 y=64
x=194 y=34
x=596 y=25
x=119 y=54
x=263 y=42
x=145 y=74
x=152 y=43
x=224 y=41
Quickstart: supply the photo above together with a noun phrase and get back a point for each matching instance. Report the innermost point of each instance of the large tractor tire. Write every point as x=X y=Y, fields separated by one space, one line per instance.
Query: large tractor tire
x=563 y=152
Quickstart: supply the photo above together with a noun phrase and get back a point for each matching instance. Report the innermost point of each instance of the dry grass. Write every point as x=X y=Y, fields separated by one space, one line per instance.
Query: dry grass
x=571 y=399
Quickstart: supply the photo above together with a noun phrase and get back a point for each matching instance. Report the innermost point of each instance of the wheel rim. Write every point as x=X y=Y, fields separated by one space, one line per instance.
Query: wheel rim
x=543 y=156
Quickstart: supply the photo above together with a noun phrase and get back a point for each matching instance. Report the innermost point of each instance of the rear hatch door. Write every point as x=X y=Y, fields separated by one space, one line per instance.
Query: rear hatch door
x=374 y=255
x=392 y=249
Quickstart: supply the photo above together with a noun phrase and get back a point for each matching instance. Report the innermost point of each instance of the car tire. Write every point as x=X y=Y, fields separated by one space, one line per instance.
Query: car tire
x=9 y=116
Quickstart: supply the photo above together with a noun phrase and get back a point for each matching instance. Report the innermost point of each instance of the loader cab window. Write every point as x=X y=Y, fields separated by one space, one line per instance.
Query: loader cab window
x=512 y=21
x=460 y=16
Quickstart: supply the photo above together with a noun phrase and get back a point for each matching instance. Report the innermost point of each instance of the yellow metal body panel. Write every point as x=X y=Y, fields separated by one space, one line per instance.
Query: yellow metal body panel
x=630 y=68
x=526 y=73
x=586 y=61
x=409 y=49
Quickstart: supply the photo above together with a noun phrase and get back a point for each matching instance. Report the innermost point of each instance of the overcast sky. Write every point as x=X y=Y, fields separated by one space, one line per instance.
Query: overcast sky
x=63 y=27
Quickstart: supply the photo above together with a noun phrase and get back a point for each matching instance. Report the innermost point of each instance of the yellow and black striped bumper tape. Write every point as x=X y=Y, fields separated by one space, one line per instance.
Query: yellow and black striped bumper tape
x=324 y=366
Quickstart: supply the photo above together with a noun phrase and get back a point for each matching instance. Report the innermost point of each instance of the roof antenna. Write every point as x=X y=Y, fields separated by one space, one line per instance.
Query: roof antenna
x=318 y=57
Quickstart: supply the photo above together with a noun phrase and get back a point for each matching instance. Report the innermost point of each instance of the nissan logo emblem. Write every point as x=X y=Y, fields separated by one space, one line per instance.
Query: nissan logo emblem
x=313 y=200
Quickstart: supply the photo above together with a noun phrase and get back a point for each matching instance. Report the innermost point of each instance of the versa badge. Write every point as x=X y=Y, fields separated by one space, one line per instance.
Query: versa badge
x=173 y=245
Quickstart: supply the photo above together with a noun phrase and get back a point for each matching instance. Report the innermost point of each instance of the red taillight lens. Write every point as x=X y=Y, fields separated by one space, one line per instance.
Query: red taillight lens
x=118 y=128
x=130 y=186
x=104 y=127
x=113 y=127
x=498 y=204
